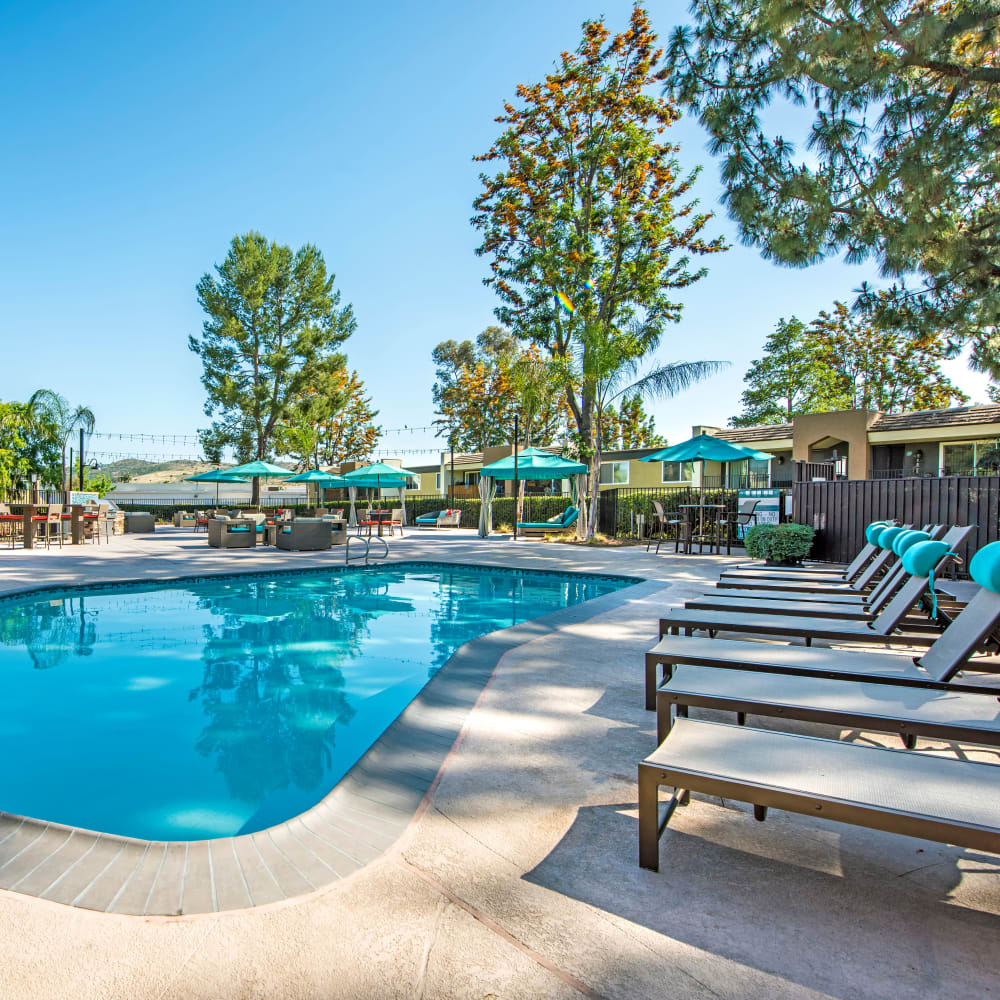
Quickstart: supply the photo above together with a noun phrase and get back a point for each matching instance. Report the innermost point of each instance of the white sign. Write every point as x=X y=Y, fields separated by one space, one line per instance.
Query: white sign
x=768 y=509
x=76 y=496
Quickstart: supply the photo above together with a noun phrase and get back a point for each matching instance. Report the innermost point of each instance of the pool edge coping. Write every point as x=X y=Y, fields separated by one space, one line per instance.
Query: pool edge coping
x=357 y=822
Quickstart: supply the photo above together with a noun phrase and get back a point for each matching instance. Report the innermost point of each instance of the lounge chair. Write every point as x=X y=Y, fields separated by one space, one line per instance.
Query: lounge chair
x=790 y=579
x=227 y=534
x=304 y=534
x=866 y=552
x=439 y=519
x=554 y=524
x=848 y=570
x=864 y=608
x=937 y=668
x=941 y=799
x=920 y=561
x=859 y=590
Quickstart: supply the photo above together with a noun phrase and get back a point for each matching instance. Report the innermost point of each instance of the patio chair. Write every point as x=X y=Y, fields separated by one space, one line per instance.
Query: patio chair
x=558 y=523
x=661 y=522
x=396 y=521
x=304 y=534
x=95 y=526
x=744 y=516
x=920 y=561
x=52 y=524
x=227 y=534
x=957 y=803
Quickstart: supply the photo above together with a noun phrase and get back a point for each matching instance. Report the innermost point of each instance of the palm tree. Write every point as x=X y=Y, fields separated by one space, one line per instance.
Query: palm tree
x=607 y=363
x=65 y=418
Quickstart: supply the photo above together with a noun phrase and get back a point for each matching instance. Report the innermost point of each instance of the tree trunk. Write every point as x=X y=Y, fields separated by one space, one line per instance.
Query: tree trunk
x=595 y=492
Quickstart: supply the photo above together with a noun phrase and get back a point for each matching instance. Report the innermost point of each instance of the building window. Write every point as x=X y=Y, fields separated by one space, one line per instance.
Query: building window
x=437 y=480
x=416 y=487
x=972 y=458
x=677 y=472
x=614 y=473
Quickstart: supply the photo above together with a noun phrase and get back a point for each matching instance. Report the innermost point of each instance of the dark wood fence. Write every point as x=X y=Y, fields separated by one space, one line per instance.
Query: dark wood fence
x=840 y=510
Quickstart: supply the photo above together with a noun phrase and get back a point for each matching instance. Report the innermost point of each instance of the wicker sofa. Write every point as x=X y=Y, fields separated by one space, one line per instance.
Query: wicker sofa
x=307 y=534
x=231 y=534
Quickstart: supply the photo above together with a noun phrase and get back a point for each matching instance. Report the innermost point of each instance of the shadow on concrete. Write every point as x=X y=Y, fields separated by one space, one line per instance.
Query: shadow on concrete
x=826 y=906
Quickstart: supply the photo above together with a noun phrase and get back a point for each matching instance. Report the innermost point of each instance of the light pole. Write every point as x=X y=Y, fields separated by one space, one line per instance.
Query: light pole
x=515 y=475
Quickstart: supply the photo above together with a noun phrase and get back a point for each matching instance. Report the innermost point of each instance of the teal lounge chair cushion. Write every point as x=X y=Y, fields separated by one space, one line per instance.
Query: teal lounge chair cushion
x=888 y=535
x=908 y=538
x=923 y=557
x=874 y=530
x=985 y=567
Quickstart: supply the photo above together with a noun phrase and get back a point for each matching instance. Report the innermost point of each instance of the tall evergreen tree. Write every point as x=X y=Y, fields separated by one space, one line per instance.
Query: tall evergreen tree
x=273 y=328
x=901 y=162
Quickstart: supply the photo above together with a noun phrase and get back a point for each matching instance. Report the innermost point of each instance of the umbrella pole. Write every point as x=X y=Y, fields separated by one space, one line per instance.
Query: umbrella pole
x=515 y=476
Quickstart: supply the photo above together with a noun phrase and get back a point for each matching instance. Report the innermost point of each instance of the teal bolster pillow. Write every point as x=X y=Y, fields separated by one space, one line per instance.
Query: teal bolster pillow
x=908 y=538
x=888 y=535
x=874 y=530
x=985 y=567
x=920 y=559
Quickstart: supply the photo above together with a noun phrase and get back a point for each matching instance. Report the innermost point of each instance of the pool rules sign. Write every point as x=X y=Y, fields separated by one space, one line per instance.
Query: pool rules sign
x=768 y=509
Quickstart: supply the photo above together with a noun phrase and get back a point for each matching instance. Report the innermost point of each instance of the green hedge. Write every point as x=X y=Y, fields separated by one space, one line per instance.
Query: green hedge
x=779 y=542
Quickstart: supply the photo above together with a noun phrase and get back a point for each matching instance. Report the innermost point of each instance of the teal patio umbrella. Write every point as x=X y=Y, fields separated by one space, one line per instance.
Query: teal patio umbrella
x=532 y=463
x=379 y=475
x=322 y=479
x=706 y=448
x=261 y=470
x=216 y=476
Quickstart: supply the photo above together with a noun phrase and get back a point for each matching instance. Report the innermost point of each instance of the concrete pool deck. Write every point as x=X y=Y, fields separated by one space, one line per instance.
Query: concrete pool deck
x=519 y=877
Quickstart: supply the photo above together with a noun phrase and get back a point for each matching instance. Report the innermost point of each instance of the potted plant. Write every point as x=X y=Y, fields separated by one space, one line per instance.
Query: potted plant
x=779 y=544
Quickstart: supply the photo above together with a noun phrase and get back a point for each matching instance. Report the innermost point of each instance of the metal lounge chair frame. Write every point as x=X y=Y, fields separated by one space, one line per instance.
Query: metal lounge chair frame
x=963 y=717
x=936 y=668
x=865 y=608
x=884 y=628
x=940 y=799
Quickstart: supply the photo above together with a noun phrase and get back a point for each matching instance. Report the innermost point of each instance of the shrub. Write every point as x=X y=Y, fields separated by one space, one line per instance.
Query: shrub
x=779 y=542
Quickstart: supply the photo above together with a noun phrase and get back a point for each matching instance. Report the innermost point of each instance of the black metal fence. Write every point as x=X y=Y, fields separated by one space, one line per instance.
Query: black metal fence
x=839 y=511
x=627 y=512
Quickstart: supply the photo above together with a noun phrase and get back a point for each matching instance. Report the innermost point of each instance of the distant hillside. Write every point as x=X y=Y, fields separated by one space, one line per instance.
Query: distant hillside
x=140 y=471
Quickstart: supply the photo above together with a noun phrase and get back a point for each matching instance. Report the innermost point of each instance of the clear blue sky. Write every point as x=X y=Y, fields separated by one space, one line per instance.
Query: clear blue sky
x=140 y=138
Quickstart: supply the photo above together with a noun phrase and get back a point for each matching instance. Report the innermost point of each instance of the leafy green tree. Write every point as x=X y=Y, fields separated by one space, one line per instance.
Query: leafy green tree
x=273 y=328
x=332 y=422
x=902 y=157
x=583 y=220
x=789 y=378
x=844 y=362
x=472 y=390
x=607 y=365
x=52 y=414
x=881 y=369
x=629 y=426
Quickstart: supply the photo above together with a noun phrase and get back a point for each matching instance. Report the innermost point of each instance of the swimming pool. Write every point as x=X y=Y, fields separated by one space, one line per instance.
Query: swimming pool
x=221 y=706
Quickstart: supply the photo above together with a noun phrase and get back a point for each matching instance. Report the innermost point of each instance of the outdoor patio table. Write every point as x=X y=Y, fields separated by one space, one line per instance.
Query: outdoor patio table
x=689 y=509
x=377 y=519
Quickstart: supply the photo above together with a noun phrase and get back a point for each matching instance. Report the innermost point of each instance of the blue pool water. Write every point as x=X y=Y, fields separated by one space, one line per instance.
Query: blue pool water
x=220 y=706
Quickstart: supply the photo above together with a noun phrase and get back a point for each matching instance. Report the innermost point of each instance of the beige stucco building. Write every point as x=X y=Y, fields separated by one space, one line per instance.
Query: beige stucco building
x=862 y=444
